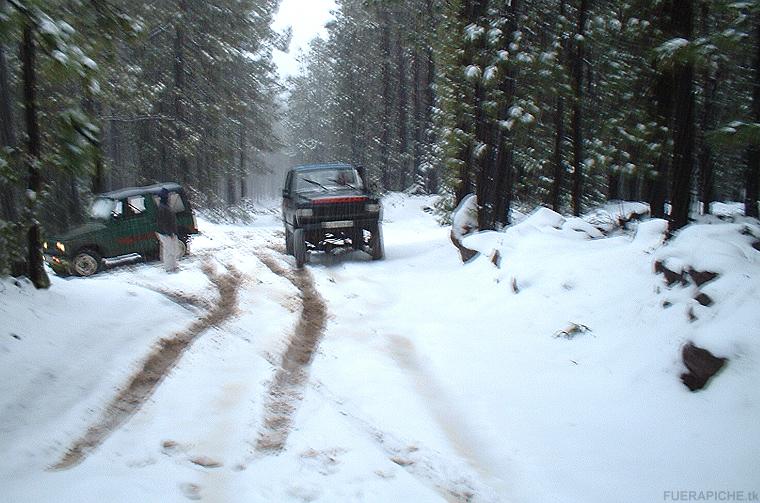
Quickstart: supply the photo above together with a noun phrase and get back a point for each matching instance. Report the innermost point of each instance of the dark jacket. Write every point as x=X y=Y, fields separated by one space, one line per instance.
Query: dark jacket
x=167 y=221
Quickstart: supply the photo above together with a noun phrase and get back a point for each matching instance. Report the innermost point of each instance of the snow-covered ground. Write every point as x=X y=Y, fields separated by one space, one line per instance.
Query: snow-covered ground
x=433 y=380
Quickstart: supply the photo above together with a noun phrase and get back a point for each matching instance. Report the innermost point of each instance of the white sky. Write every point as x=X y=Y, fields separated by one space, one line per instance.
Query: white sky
x=308 y=19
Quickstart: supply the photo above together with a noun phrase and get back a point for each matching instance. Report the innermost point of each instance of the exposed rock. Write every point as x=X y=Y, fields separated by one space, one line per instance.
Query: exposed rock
x=464 y=221
x=169 y=446
x=464 y=252
x=756 y=245
x=701 y=365
x=515 y=288
x=702 y=277
x=633 y=216
x=666 y=304
x=205 y=462
x=191 y=491
x=691 y=315
x=572 y=330
x=402 y=461
x=496 y=259
x=704 y=299
x=671 y=277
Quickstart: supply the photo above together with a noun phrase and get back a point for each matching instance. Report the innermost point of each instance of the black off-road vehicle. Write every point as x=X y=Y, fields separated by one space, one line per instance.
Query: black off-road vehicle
x=328 y=206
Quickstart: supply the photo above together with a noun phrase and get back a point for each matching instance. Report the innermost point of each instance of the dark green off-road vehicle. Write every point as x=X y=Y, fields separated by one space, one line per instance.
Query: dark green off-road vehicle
x=328 y=206
x=121 y=228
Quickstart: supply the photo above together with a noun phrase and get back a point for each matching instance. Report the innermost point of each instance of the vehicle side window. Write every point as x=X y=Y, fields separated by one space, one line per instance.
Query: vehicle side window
x=118 y=209
x=135 y=205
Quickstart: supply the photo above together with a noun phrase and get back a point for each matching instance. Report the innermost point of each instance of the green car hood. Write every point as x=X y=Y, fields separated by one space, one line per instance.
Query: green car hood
x=78 y=232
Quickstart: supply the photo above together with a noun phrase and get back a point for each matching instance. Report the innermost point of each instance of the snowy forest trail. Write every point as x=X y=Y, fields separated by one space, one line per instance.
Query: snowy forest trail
x=251 y=384
x=412 y=378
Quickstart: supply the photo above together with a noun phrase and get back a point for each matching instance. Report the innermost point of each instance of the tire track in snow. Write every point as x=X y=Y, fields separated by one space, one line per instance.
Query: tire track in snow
x=286 y=389
x=455 y=480
x=156 y=366
x=461 y=435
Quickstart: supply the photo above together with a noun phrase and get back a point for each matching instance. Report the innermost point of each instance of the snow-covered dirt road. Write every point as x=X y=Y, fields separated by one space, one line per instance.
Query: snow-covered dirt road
x=242 y=379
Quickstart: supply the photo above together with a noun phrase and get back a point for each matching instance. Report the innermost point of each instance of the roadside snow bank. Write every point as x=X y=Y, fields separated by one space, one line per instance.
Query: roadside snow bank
x=721 y=279
x=64 y=351
x=601 y=410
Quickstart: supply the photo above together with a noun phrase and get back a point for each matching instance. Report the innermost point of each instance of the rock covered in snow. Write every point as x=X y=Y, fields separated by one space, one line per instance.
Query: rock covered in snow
x=715 y=248
x=464 y=221
x=618 y=214
x=544 y=218
x=579 y=227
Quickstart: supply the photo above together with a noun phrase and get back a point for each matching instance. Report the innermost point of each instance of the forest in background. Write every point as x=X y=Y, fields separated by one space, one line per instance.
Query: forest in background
x=564 y=103
x=97 y=95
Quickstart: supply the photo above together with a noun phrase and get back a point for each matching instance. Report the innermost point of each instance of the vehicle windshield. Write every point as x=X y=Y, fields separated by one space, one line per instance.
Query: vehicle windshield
x=322 y=180
x=102 y=208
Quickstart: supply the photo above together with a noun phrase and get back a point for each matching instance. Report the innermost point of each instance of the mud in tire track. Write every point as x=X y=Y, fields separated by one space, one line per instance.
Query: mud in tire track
x=155 y=368
x=286 y=389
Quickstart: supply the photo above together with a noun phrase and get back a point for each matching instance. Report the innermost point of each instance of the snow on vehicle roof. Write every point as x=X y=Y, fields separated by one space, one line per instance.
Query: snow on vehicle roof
x=309 y=167
x=148 y=189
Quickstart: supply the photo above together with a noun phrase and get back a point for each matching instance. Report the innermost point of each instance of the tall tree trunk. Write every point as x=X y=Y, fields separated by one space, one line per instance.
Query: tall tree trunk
x=35 y=267
x=402 y=115
x=98 y=174
x=417 y=117
x=656 y=183
x=495 y=181
x=469 y=121
x=242 y=165
x=555 y=198
x=385 y=137
x=707 y=121
x=8 y=210
x=433 y=178
x=577 y=121
x=179 y=93
x=683 y=126
x=753 y=153
x=559 y=169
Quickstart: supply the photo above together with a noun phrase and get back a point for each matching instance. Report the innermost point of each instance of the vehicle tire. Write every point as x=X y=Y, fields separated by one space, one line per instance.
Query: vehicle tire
x=299 y=247
x=183 y=244
x=288 y=242
x=86 y=263
x=357 y=239
x=376 y=248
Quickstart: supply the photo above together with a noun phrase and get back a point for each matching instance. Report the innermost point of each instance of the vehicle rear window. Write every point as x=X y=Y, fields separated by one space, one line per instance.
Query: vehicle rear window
x=176 y=203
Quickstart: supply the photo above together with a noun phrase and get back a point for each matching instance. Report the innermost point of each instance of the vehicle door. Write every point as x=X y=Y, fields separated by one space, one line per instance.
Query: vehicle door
x=135 y=228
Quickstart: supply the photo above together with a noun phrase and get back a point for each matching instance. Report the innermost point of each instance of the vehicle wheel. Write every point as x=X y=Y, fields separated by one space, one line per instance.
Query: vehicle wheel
x=183 y=246
x=357 y=239
x=86 y=263
x=376 y=248
x=288 y=242
x=299 y=247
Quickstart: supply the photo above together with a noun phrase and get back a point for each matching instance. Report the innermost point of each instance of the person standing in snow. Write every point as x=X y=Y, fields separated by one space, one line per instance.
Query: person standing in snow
x=167 y=232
